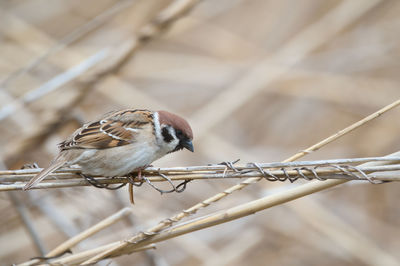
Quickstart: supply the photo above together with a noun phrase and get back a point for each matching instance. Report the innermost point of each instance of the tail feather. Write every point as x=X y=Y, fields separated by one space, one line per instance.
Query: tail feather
x=57 y=163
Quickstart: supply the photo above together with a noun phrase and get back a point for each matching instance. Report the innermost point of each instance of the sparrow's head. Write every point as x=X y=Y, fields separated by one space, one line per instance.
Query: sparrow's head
x=175 y=132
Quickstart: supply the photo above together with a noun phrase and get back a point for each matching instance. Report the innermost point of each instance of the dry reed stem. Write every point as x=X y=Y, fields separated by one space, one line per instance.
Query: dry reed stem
x=311 y=188
x=210 y=168
x=321 y=170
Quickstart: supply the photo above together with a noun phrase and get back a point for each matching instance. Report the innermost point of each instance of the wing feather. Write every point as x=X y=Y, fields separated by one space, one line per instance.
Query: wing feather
x=115 y=129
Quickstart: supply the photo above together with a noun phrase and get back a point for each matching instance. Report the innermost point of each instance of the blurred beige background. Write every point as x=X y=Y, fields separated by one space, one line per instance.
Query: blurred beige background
x=258 y=80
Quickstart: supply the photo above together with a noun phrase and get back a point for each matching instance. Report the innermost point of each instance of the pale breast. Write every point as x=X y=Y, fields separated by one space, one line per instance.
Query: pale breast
x=117 y=161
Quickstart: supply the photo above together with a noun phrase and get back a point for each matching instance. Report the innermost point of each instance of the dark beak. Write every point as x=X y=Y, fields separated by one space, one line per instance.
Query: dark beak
x=187 y=144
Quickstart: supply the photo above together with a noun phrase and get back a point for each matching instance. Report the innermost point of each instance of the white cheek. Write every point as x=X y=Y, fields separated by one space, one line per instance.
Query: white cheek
x=172 y=145
x=175 y=141
x=169 y=146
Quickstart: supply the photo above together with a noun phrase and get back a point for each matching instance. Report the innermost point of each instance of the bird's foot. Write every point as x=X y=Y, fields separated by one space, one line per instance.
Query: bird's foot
x=136 y=177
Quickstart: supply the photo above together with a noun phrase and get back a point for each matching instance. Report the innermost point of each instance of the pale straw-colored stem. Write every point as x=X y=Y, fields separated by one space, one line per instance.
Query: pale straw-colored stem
x=380 y=173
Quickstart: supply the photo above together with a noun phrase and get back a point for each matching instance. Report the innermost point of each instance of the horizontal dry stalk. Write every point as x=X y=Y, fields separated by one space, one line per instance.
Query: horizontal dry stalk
x=220 y=166
x=321 y=170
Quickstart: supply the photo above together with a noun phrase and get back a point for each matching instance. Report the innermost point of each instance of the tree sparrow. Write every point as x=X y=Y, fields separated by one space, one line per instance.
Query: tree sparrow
x=120 y=143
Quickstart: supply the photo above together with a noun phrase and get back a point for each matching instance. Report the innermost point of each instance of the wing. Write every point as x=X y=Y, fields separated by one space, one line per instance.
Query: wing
x=115 y=129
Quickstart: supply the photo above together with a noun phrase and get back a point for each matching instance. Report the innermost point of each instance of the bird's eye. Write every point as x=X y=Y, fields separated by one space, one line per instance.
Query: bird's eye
x=179 y=133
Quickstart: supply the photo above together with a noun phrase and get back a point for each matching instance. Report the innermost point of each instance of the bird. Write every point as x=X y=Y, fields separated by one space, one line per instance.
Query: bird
x=121 y=142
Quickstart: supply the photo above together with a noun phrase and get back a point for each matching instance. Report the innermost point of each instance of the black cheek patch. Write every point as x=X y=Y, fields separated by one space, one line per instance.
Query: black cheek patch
x=166 y=136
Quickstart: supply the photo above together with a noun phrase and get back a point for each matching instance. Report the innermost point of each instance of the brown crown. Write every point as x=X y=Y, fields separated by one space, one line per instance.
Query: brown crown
x=175 y=121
